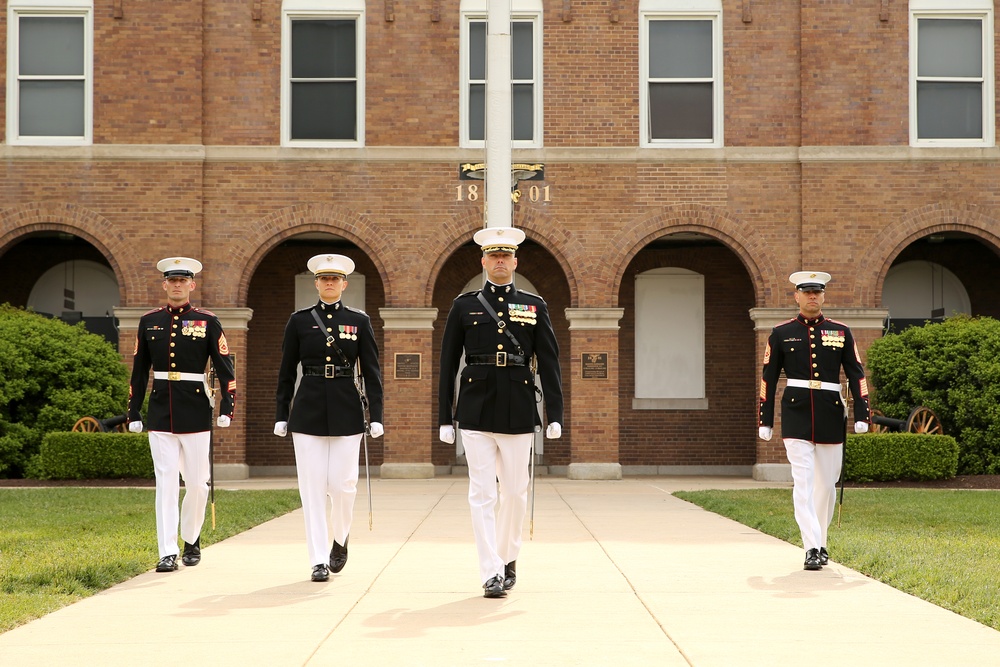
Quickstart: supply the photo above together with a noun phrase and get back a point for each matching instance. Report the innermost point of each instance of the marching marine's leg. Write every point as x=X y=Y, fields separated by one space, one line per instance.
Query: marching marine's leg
x=342 y=487
x=512 y=471
x=801 y=456
x=312 y=454
x=829 y=459
x=165 y=450
x=481 y=454
x=195 y=467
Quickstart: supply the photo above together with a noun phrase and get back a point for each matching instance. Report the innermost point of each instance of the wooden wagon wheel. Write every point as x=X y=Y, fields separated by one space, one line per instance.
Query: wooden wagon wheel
x=923 y=420
x=87 y=425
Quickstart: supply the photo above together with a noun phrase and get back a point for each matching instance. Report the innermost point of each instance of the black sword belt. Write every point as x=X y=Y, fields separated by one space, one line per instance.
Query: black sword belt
x=328 y=371
x=499 y=359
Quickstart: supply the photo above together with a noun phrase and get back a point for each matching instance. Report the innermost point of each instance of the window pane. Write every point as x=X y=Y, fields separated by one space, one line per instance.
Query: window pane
x=950 y=47
x=680 y=49
x=51 y=109
x=477 y=50
x=524 y=113
x=323 y=49
x=477 y=112
x=680 y=110
x=51 y=46
x=522 y=56
x=324 y=110
x=949 y=110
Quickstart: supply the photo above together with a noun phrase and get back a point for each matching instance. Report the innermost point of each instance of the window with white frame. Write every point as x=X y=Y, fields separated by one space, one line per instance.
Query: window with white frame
x=681 y=91
x=322 y=64
x=951 y=73
x=526 y=73
x=50 y=72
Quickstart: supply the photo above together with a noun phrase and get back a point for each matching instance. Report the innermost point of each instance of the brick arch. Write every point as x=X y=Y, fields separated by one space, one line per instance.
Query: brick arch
x=541 y=228
x=20 y=221
x=970 y=219
x=262 y=235
x=748 y=245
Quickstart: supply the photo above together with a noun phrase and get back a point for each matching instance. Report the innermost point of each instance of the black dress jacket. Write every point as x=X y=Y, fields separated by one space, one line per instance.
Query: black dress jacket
x=491 y=397
x=812 y=349
x=180 y=340
x=327 y=402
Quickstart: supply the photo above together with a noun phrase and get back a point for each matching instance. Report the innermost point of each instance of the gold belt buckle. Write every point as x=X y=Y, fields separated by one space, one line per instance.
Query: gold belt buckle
x=501 y=358
x=173 y=375
x=815 y=384
x=329 y=371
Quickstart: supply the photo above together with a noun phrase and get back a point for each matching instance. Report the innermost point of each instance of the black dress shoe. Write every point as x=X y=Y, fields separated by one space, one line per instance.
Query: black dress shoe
x=494 y=588
x=192 y=553
x=338 y=556
x=320 y=573
x=167 y=564
x=812 y=560
x=509 y=575
x=824 y=557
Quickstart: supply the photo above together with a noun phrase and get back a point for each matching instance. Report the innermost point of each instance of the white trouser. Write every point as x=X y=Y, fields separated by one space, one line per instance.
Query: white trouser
x=184 y=454
x=493 y=456
x=815 y=471
x=326 y=467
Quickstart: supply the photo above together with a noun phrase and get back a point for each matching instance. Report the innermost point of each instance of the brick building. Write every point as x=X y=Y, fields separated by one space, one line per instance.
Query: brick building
x=688 y=156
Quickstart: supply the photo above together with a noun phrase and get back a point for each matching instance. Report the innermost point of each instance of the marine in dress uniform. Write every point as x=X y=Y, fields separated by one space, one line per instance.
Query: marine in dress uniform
x=177 y=341
x=325 y=413
x=496 y=400
x=811 y=349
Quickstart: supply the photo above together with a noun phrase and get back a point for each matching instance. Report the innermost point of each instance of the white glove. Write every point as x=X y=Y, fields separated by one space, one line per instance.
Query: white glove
x=135 y=427
x=223 y=421
x=764 y=432
x=447 y=434
x=376 y=429
x=553 y=431
x=860 y=427
x=281 y=429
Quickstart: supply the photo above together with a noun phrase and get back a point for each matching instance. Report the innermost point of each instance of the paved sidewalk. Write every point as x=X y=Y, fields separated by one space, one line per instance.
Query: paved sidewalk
x=619 y=573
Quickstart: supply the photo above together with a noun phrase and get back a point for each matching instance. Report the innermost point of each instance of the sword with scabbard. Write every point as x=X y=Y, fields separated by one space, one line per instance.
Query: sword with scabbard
x=364 y=436
x=538 y=429
x=843 y=457
x=210 y=392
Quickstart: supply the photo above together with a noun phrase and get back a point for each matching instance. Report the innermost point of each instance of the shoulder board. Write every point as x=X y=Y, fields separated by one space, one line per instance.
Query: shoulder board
x=788 y=321
x=203 y=311
x=155 y=310
x=527 y=293
x=356 y=310
x=838 y=323
x=472 y=293
x=305 y=310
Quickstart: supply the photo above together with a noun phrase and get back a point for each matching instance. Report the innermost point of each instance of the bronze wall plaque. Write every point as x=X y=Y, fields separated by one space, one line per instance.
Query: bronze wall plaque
x=594 y=366
x=407 y=366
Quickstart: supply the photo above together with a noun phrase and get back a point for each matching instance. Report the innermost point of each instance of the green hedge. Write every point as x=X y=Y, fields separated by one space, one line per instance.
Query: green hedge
x=76 y=455
x=881 y=457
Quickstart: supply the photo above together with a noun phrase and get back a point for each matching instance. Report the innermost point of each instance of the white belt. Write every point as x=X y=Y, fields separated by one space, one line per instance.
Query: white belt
x=174 y=376
x=814 y=384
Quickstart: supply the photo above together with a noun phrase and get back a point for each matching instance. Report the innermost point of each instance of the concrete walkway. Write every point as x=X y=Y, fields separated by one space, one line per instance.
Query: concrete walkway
x=619 y=573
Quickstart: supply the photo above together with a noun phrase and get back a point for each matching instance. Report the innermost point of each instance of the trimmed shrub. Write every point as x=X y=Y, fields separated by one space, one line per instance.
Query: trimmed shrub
x=94 y=456
x=882 y=457
x=53 y=374
x=953 y=368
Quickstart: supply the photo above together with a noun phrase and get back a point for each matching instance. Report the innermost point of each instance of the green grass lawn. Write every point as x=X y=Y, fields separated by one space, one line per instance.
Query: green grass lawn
x=942 y=546
x=59 y=545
